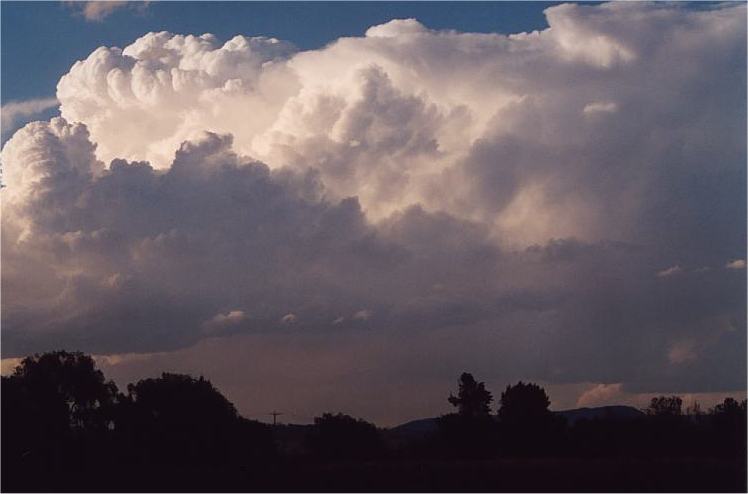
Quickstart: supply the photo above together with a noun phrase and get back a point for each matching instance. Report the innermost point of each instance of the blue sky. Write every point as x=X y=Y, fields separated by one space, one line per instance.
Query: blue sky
x=32 y=65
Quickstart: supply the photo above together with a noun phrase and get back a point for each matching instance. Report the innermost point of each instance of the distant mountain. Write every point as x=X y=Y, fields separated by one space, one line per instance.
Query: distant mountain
x=614 y=412
x=420 y=427
x=291 y=437
x=423 y=427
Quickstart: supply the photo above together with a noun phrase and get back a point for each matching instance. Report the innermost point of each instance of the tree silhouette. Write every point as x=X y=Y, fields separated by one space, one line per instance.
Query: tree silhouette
x=665 y=406
x=730 y=408
x=527 y=425
x=729 y=425
x=472 y=400
x=522 y=403
x=471 y=432
x=177 y=419
x=65 y=428
x=339 y=436
x=70 y=379
x=56 y=411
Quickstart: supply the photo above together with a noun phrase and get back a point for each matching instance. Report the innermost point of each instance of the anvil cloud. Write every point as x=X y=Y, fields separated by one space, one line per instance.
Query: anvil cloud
x=515 y=204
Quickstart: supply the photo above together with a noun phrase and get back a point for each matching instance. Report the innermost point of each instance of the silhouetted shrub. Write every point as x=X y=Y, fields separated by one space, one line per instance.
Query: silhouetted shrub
x=342 y=437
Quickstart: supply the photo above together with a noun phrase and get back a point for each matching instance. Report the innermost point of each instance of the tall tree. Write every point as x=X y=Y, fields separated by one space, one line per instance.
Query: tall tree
x=472 y=400
x=70 y=382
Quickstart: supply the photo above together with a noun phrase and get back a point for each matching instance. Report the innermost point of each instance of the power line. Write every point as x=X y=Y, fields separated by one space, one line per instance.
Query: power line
x=275 y=415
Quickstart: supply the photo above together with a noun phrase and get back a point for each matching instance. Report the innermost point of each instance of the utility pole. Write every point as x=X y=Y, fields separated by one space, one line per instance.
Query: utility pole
x=275 y=416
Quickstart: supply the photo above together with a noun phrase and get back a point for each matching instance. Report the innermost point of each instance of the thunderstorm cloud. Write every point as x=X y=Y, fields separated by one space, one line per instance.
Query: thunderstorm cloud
x=406 y=203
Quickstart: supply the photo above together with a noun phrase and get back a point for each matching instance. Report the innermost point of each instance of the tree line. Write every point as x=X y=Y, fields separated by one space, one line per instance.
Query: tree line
x=66 y=427
x=524 y=426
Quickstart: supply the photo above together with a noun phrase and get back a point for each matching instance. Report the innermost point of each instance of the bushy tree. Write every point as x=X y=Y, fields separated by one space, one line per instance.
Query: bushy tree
x=342 y=437
x=665 y=406
x=731 y=408
x=176 y=419
x=57 y=411
x=527 y=424
x=729 y=424
x=70 y=383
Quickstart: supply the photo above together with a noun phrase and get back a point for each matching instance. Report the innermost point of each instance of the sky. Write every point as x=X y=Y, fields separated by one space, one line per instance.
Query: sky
x=341 y=207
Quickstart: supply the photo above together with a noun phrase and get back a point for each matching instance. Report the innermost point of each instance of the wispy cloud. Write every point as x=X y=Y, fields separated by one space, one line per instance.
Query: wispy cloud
x=671 y=271
x=97 y=11
x=736 y=264
x=17 y=112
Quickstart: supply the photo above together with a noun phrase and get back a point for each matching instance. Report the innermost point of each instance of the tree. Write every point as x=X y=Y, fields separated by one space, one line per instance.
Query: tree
x=340 y=436
x=177 y=419
x=523 y=403
x=527 y=425
x=729 y=422
x=56 y=413
x=730 y=408
x=471 y=432
x=472 y=400
x=69 y=382
x=665 y=406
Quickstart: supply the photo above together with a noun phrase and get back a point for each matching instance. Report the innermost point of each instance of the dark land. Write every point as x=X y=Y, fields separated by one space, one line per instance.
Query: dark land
x=66 y=429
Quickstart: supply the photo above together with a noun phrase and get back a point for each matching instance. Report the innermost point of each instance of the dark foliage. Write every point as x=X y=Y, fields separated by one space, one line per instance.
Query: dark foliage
x=471 y=432
x=728 y=421
x=65 y=428
x=177 y=419
x=56 y=409
x=62 y=422
x=342 y=437
x=665 y=406
x=527 y=426
x=472 y=400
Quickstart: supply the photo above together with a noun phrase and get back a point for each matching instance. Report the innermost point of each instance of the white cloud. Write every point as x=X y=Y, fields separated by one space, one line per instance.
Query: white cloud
x=98 y=10
x=736 y=264
x=601 y=395
x=17 y=112
x=289 y=319
x=484 y=126
x=222 y=321
x=671 y=271
x=600 y=107
x=396 y=29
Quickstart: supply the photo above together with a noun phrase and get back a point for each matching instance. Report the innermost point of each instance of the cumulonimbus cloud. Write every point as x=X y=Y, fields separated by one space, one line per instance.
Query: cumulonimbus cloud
x=517 y=191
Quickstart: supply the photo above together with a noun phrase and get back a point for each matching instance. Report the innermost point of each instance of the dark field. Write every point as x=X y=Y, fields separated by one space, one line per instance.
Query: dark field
x=527 y=475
